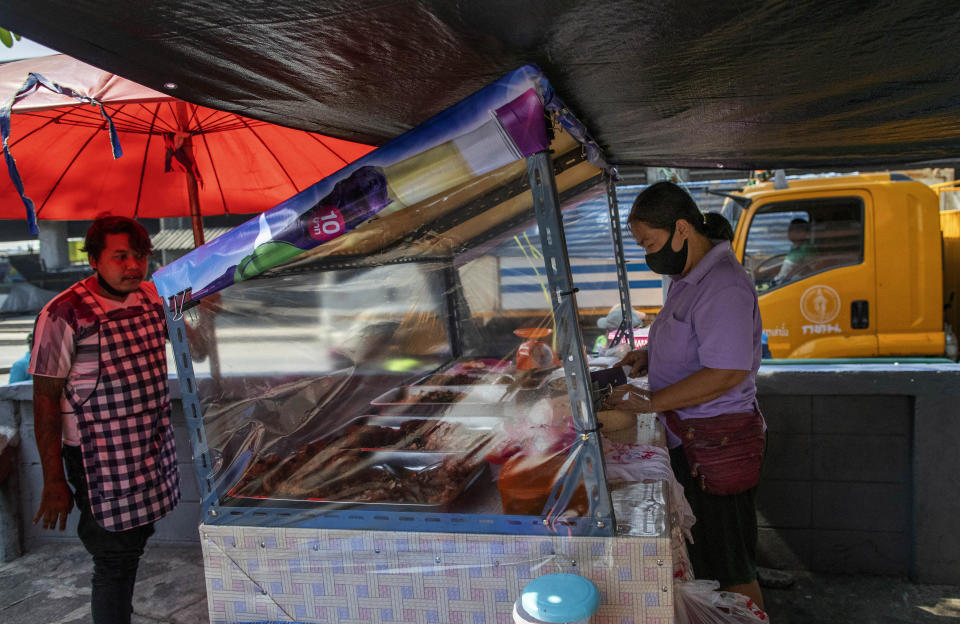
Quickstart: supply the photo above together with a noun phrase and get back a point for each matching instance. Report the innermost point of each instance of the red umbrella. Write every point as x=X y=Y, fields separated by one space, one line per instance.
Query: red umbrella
x=179 y=159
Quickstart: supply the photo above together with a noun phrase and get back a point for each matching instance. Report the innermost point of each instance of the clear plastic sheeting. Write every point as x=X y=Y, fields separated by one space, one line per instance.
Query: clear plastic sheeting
x=379 y=388
x=393 y=380
x=378 y=375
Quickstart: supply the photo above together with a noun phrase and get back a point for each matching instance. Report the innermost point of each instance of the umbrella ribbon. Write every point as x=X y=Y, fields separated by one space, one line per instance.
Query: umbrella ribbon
x=31 y=85
x=174 y=145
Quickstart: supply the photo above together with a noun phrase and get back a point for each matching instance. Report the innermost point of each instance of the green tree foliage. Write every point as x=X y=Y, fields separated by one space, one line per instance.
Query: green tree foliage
x=7 y=38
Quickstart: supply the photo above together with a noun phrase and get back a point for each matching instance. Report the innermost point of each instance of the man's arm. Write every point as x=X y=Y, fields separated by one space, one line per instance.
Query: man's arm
x=202 y=335
x=56 y=500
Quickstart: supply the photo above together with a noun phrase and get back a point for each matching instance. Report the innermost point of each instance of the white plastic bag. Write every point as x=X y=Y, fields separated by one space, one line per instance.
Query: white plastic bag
x=699 y=602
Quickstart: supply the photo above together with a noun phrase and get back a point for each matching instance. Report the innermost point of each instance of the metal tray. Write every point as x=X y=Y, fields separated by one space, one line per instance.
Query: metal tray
x=490 y=375
x=490 y=366
x=399 y=399
x=473 y=423
x=480 y=423
x=397 y=462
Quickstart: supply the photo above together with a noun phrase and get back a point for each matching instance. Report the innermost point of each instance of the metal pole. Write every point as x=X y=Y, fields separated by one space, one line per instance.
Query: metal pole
x=193 y=193
x=623 y=280
x=587 y=453
x=196 y=222
x=452 y=301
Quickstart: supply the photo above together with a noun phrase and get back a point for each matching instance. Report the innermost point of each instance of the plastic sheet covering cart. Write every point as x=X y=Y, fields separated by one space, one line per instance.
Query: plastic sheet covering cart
x=376 y=438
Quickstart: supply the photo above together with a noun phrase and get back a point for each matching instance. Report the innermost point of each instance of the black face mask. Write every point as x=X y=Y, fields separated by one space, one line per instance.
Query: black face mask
x=108 y=288
x=667 y=261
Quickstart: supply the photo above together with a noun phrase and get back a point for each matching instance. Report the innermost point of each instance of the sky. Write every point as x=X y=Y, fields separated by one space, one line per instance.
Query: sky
x=23 y=49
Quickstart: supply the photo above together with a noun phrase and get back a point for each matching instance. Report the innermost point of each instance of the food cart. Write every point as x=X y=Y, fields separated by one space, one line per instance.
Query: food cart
x=370 y=450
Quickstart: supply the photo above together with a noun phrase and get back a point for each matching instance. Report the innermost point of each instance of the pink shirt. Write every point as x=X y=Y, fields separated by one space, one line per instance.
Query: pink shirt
x=66 y=345
x=710 y=320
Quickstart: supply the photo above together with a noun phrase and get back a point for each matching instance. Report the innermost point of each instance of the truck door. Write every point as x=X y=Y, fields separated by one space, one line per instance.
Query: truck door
x=814 y=271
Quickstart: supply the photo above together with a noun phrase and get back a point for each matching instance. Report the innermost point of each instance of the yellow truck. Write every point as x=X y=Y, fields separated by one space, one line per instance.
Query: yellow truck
x=854 y=266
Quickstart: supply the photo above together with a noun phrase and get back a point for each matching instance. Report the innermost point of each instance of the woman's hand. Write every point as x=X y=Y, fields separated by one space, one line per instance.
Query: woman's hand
x=630 y=399
x=637 y=360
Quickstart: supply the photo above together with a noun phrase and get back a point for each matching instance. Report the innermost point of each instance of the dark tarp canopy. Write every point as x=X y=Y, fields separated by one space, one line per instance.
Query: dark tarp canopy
x=762 y=84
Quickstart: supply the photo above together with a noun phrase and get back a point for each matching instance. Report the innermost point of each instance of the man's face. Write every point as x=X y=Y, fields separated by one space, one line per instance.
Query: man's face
x=120 y=266
x=797 y=233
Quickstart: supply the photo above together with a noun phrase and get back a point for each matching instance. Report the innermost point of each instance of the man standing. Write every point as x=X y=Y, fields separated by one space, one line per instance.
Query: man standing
x=101 y=408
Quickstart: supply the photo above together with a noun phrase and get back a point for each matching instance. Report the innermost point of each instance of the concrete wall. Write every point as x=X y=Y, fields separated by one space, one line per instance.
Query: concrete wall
x=837 y=484
x=180 y=526
x=862 y=472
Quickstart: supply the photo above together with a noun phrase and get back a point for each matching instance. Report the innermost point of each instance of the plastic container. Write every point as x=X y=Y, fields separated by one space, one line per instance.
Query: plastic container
x=533 y=354
x=557 y=599
x=526 y=481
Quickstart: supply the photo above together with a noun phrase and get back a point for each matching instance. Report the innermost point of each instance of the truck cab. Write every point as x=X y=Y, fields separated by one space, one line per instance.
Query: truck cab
x=845 y=266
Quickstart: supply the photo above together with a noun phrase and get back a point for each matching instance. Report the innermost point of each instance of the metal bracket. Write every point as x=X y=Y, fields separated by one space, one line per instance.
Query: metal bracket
x=623 y=280
x=589 y=454
x=192 y=411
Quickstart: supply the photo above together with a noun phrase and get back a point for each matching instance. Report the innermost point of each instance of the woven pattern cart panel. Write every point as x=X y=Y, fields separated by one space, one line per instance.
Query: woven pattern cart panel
x=372 y=577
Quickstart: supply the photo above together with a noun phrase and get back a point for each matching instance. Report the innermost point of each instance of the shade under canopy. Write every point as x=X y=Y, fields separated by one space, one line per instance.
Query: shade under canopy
x=740 y=85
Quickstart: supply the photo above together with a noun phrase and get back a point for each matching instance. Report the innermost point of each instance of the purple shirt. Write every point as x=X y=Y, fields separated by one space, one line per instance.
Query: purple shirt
x=710 y=320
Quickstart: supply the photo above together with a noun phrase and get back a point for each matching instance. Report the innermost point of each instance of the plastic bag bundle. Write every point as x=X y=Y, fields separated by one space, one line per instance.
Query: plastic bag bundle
x=700 y=602
x=637 y=463
x=543 y=429
x=682 y=568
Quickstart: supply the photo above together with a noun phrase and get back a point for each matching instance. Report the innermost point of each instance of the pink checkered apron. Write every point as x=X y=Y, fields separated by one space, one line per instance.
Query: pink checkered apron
x=129 y=454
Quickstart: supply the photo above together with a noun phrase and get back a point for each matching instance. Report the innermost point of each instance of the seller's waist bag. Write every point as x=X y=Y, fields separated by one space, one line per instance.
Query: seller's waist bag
x=724 y=452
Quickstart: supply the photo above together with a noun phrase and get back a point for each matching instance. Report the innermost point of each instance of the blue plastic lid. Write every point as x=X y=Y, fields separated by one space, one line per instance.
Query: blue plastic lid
x=560 y=598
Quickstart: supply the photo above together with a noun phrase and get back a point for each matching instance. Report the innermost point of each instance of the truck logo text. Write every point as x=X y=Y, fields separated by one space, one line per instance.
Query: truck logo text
x=819 y=304
x=821 y=329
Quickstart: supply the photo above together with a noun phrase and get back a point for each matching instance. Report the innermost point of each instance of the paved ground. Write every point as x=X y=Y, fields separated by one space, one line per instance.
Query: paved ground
x=824 y=599
x=50 y=585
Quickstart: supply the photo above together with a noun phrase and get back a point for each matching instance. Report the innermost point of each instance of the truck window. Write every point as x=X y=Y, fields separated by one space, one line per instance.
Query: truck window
x=731 y=211
x=949 y=200
x=788 y=241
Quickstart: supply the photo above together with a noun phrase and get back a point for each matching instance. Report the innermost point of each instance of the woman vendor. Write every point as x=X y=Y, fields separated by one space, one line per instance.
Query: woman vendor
x=702 y=361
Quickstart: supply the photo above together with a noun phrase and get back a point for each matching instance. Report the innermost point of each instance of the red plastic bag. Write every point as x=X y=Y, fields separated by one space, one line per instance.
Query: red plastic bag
x=700 y=602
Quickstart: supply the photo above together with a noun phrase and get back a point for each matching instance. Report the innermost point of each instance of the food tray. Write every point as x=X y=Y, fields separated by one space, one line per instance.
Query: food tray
x=402 y=464
x=402 y=399
x=495 y=372
x=476 y=424
x=480 y=366
x=479 y=423
x=463 y=373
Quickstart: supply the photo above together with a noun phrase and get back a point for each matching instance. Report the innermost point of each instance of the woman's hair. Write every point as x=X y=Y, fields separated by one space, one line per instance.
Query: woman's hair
x=661 y=204
x=96 y=240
